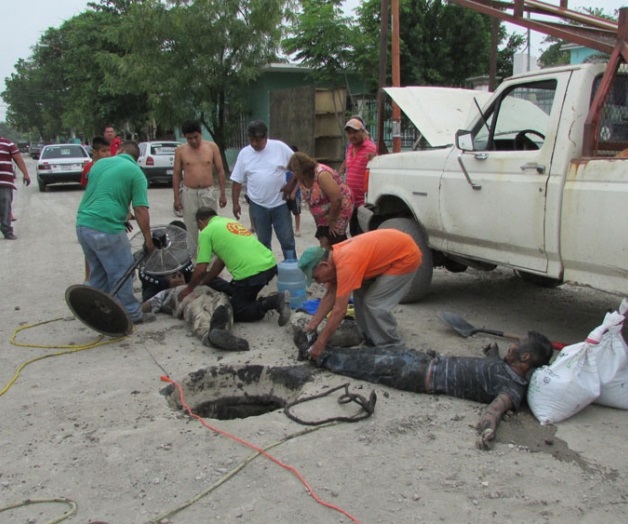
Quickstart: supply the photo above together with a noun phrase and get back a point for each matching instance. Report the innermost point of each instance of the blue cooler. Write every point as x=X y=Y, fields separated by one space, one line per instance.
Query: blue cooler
x=290 y=278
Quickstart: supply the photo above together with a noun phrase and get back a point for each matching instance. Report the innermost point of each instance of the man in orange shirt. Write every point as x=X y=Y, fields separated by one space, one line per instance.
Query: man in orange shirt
x=378 y=268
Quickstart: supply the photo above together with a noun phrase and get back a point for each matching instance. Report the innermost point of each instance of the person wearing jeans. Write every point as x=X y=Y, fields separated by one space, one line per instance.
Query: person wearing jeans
x=262 y=166
x=115 y=183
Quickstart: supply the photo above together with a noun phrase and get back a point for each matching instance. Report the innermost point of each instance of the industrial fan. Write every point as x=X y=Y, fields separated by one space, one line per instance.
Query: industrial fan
x=101 y=311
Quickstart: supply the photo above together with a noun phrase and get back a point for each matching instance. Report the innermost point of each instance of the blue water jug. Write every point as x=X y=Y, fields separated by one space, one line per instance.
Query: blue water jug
x=290 y=278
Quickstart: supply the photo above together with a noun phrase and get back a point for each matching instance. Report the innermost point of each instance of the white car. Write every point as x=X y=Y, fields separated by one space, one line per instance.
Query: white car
x=157 y=160
x=61 y=163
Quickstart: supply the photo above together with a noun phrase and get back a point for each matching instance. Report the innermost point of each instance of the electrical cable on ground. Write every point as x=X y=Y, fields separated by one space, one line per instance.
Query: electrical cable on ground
x=71 y=348
x=260 y=451
x=28 y=502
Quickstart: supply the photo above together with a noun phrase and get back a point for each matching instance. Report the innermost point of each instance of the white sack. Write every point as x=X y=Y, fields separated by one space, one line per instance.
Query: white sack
x=612 y=361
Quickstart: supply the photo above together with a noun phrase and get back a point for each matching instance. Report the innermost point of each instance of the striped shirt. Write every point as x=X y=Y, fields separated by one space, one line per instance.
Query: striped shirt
x=476 y=378
x=356 y=161
x=7 y=174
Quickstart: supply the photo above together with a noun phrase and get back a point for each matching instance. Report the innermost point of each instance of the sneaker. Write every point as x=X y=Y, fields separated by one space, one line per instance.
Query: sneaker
x=223 y=339
x=11 y=236
x=146 y=318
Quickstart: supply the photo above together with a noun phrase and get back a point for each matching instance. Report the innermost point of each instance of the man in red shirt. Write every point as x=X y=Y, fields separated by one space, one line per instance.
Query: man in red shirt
x=361 y=149
x=377 y=267
x=9 y=153
x=115 y=142
x=100 y=149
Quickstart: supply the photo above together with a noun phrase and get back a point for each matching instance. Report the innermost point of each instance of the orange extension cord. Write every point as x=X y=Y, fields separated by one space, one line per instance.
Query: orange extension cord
x=293 y=470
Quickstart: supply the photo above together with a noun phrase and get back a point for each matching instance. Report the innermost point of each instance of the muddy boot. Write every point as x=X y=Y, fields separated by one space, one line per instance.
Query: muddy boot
x=223 y=339
x=279 y=302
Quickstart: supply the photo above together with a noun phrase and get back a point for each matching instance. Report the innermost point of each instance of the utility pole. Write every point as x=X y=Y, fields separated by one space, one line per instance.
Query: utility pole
x=383 y=68
x=396 y=77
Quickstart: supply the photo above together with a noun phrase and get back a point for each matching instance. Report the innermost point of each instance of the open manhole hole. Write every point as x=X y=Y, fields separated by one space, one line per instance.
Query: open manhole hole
x=234 y=392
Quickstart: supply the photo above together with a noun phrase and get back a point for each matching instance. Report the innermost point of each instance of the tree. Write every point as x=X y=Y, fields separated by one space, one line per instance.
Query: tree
x=440 y=43
x=321 y=39
x=553 y=55
x=196 y=59
x=66 y=86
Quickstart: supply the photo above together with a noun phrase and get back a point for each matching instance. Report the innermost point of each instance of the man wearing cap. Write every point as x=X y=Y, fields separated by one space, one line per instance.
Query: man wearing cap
x=361 y=149
x=262 y=166
x=378 y=268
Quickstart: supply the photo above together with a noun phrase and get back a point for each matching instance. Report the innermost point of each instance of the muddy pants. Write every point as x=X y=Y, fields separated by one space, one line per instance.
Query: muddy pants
x=406 y=370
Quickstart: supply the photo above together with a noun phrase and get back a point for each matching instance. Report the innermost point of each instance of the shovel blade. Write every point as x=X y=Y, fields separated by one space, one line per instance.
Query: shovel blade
x=458 y=323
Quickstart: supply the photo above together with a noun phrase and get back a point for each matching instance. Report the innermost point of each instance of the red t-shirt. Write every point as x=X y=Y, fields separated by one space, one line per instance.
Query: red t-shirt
x=85 y=173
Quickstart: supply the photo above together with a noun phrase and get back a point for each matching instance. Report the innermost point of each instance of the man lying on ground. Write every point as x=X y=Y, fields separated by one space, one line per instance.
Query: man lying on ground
x=499 y=383
x=206 y=311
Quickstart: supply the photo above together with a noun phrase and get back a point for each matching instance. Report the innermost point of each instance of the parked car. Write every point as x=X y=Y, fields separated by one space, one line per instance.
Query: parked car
x=61 y=163
x=157 y=160
x=34 y=152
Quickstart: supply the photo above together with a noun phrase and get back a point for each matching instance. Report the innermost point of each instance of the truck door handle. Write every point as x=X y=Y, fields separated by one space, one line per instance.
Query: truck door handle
x=475 y=186
x=540 y=169
x=481 y=156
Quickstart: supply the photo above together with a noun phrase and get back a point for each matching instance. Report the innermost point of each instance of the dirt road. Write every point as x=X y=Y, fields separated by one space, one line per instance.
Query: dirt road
x=92 y=426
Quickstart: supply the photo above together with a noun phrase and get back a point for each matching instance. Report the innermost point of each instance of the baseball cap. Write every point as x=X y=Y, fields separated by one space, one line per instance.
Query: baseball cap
x=354 y=123
x=310 y=258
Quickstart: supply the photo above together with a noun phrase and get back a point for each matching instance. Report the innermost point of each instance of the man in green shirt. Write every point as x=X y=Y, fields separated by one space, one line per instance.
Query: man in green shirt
x=114 y=184
x=251 y=264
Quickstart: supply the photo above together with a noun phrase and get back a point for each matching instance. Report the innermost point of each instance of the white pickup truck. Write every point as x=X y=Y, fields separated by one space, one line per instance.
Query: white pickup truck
x=514 y=189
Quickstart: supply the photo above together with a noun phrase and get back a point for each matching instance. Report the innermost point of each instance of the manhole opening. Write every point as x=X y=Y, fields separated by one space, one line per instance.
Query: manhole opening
x=237 y=392
x=234 y=407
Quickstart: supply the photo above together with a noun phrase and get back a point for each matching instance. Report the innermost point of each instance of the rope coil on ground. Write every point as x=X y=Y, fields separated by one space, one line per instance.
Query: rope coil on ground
x=368 y=406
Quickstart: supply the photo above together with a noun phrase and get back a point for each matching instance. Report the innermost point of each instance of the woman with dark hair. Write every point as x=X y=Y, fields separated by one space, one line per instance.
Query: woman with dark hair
x=329 y=199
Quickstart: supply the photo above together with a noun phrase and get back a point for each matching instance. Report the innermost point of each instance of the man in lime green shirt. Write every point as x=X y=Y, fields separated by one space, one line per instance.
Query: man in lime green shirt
x=251 y=264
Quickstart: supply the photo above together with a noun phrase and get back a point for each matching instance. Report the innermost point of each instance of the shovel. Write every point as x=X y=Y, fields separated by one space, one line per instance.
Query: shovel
x=466 y=330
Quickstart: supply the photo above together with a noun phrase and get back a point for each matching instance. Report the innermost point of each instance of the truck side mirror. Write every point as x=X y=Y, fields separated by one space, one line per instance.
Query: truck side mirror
x=464 y=140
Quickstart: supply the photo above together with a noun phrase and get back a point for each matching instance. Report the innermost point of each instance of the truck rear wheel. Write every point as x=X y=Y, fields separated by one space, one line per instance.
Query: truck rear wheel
x=423 y=276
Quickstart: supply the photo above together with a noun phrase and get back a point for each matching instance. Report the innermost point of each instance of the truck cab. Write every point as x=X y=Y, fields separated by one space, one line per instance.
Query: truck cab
x=513 y=188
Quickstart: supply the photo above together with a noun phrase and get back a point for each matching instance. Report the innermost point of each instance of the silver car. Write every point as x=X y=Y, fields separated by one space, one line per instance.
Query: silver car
x=61 y=163
x=157 y=160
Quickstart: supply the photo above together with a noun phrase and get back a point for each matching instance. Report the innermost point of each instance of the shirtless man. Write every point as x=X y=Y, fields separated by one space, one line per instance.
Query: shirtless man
x=197 y=160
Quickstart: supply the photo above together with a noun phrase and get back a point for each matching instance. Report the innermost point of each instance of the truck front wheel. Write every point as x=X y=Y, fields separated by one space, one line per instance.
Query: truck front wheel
x=423 y=276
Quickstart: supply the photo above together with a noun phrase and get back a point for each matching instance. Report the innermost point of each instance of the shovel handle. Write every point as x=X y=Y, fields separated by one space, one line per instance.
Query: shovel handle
x=555 y=345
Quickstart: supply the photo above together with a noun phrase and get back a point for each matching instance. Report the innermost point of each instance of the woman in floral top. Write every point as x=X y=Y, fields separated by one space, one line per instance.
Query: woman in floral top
x=329 y=199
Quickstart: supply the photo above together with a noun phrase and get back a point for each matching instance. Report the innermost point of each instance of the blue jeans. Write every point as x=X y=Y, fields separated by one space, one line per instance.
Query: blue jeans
x=279 y=219
x=109 y=256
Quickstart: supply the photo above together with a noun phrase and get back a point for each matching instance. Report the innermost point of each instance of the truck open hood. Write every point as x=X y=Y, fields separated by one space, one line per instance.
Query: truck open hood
x=437 y=112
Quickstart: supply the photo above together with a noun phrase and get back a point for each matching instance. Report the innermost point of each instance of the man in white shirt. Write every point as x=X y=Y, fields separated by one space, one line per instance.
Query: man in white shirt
x=262 y=166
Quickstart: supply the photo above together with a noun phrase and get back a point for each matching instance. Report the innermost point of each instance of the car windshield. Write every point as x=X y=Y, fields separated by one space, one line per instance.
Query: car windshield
x=163 y=149
x=56 y=152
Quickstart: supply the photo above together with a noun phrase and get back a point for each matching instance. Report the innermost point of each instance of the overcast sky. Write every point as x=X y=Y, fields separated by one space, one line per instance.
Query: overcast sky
x=24 y=21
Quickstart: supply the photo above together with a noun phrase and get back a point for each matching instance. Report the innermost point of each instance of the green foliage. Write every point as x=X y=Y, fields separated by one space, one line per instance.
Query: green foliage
x=440 y=43
x=196 y=59
x=321 y=39
x=553 y=56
